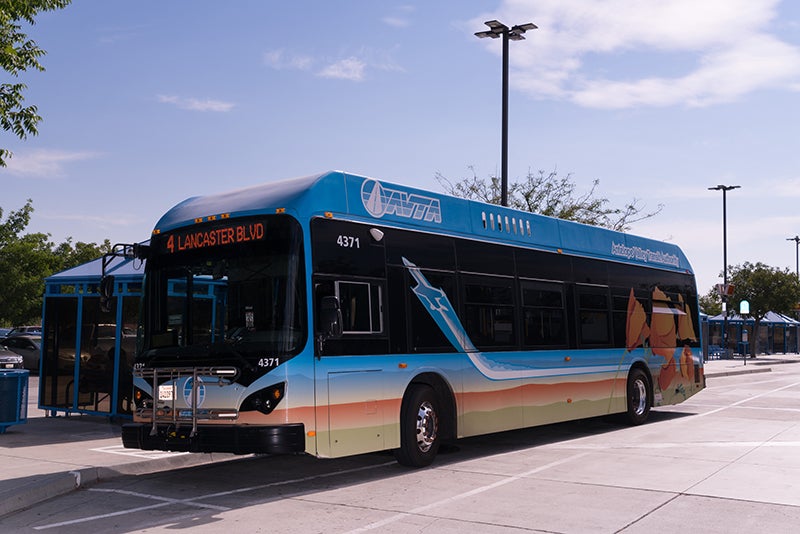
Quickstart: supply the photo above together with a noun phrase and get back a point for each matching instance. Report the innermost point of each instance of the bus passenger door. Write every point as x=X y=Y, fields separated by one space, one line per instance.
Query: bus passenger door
x=348 y=371
x=354 y=411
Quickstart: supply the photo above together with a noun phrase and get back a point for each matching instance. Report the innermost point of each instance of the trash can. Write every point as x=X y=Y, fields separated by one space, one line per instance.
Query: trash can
x=13 y=397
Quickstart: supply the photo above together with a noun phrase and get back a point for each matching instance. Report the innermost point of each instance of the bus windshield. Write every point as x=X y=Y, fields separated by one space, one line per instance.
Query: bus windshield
x=228 y=292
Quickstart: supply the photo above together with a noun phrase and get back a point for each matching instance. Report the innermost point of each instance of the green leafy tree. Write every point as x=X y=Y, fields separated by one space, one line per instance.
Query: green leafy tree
x=18 y=54
x=553 y=195
x=766 y=289
x=711 y=302
x=27 y=259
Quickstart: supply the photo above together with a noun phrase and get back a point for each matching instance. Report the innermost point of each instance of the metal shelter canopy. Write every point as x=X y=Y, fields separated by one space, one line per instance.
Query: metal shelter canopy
x=92 y=270
x=771 y=318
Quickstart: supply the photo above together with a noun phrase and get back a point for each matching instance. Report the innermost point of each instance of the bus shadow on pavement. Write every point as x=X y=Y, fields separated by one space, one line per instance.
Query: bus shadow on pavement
x=40 y=431
x=531 y=437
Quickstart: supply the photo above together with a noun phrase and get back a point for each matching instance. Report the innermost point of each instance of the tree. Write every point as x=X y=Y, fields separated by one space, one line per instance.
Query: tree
x=18 y=54
x=552 y=195
x=27 y=259
x=766 y=289
x=711 y=303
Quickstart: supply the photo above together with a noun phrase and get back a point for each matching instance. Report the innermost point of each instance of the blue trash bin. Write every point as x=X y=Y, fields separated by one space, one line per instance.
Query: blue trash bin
x=13 y=397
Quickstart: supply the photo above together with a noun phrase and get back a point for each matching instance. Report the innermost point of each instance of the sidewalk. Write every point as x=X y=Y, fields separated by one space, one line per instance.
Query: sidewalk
x=764 y=363
x=49 y=456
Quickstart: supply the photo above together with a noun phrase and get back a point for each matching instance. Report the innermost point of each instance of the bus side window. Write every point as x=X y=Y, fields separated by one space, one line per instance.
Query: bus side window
x=361 y=307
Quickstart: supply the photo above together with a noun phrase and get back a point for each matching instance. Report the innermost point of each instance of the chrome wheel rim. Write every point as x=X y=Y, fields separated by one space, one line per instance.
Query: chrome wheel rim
x=639 y=397
x=427 y=426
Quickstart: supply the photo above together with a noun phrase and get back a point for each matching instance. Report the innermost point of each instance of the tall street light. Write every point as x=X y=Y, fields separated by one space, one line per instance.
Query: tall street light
x=515 y=33
x=796 y=240
x=725 y=189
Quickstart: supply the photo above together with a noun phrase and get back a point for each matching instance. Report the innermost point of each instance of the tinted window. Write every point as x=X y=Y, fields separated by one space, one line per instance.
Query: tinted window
x=593 y=316
x=346 y=248
x=588 y=271
x=543 y=265
x=489 y=311
x=361 y=307
x=426 y=334
x=544 y=319
x=478 y=257
x=427 y=251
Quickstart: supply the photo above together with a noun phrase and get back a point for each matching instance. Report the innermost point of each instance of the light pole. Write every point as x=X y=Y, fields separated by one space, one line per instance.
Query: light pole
x=724 y=189
x=796 y=240
x=515 y=33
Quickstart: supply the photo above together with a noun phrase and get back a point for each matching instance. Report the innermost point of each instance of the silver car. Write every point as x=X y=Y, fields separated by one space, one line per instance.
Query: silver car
x=27 y=346
x=9 y=359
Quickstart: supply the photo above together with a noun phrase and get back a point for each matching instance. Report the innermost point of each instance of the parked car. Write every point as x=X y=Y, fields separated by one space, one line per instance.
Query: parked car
x=9 y=359
x=21 y=330
x=4 y=332
x=27 y=346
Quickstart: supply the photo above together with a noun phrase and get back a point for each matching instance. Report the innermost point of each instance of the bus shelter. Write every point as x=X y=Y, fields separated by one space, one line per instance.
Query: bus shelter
x=88 y=348
x=777 y=334
x=87 y=352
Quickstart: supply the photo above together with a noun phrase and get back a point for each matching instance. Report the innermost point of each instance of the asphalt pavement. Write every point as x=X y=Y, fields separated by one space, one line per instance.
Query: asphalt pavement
x=51 y=455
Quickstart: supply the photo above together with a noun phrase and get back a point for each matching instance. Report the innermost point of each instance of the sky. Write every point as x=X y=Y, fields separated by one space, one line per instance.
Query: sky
x=147 y=103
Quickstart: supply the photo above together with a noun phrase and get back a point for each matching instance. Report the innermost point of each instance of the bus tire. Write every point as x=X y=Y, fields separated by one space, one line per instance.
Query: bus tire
x=419 y=427
x=639 y=397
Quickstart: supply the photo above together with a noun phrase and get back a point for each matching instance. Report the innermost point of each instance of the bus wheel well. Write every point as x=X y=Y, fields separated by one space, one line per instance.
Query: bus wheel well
x=446 y=401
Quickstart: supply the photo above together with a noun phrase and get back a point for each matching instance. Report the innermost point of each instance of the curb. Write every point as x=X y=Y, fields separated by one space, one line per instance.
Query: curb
x=738 y=372
x=43 y=488
x=46 y=487
x=754 y=367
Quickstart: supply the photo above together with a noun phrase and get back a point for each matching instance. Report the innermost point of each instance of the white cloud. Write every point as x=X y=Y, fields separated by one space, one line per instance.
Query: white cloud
x=352 y=68
x=44 y=163
x=196 y=104
x=396 y=22
x=400 y=16
x=345 y=69
x=702 y=53
x=280 y=60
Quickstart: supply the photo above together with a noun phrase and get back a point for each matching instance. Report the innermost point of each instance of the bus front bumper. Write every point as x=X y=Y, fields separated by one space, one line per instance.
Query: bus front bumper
x=236 y=439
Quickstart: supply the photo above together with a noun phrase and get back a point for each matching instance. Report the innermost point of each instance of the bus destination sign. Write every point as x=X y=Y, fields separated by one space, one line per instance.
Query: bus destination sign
x=230 y=234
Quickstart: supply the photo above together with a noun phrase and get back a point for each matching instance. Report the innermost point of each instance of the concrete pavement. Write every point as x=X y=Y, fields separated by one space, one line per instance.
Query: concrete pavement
x=49 y=456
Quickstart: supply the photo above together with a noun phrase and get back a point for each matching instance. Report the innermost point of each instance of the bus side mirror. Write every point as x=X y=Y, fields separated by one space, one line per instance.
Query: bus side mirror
x=106 y=292
x=330 y=318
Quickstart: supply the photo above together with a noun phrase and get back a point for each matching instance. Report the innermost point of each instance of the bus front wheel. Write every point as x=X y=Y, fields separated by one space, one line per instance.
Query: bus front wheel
x=639 y=398
x=419 y=428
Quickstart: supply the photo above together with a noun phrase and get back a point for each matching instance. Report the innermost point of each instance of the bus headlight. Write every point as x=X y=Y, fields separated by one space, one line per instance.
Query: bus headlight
x=142 y=400
x=264 y=400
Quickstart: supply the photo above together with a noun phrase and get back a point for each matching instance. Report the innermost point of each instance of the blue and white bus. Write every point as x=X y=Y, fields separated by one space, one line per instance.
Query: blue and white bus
x=352 y=315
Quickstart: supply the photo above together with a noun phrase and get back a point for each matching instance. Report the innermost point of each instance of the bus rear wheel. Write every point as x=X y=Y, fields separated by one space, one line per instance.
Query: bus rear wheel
x=419 y=428
x=639 y=397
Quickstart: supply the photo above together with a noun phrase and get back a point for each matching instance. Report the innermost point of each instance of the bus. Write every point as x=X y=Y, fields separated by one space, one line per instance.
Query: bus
x=339 y=314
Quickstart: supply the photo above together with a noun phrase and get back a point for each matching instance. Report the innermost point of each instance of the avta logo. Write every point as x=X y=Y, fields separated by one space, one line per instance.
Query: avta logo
x=379 y=201
x=187 y=392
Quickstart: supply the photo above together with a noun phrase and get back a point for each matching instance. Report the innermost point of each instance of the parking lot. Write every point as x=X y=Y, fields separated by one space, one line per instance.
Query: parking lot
x=726 y=461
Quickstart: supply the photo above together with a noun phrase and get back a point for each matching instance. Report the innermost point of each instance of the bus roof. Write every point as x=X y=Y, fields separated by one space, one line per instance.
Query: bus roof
x=360 y=198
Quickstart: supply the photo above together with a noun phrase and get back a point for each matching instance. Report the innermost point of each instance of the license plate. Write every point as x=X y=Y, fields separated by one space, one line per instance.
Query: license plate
x=166 y=392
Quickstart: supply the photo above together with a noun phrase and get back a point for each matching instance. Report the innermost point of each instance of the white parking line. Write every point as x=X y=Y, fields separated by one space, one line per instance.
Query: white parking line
x=748 y=399
x=150 y=455
x=502 y=482
x=166 y=501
